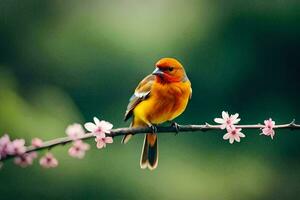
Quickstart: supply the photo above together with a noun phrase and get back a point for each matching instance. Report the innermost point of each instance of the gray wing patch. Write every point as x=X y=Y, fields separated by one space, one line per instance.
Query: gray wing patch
x=141 y=93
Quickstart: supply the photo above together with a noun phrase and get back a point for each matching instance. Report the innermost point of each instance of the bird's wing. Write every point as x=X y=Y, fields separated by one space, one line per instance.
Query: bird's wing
x=141 y=93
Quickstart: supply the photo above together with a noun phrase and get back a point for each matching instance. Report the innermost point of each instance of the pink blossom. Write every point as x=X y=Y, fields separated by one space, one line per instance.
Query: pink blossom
x=37 y=142
x=102 y=140
x=233 y=134
x=99 y=127
x=74 y=131
x=268 y=128
x=16 y=147
x=78 y=149
x=4 y=143
x=227 y=120
x=48 y=161
x=25 y=159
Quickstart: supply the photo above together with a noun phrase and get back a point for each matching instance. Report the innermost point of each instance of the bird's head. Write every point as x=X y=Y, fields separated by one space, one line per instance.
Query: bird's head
x=169 y=70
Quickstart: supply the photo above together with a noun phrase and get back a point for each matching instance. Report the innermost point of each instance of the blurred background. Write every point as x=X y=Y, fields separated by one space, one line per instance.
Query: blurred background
x=67 y=61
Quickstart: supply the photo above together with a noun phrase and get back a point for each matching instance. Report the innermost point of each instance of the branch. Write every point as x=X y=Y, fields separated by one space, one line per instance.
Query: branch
x=123 y=131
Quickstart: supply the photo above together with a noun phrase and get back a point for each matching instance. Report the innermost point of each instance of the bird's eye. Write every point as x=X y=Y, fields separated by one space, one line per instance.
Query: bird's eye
x=170 y=69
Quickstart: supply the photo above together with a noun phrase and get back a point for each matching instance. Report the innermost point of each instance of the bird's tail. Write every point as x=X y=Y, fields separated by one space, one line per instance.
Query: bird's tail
x=149 y=157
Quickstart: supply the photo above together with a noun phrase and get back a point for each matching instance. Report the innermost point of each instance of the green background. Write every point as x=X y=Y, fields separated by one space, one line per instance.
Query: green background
x=67 y=61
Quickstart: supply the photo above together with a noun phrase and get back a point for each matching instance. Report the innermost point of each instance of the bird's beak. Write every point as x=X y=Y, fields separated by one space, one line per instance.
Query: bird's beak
x=158 y=72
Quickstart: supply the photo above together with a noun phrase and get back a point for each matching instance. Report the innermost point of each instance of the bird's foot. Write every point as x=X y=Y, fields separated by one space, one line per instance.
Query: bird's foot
x=153 y=128
x=176 y=126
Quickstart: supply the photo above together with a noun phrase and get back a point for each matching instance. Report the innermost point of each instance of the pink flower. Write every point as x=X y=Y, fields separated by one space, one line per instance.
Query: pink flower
x=102 y=140
x=74 y=131
x=48 y=161
x=268 y=128
x=99 y=127
x=25 y=159
x=16 y=147
x=78 y=149
x=227 y=120
x=37 y=142
x=233 y=134
x=4 y=143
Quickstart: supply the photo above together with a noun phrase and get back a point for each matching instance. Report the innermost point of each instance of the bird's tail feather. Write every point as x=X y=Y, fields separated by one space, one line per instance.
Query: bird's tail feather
x=149 y=157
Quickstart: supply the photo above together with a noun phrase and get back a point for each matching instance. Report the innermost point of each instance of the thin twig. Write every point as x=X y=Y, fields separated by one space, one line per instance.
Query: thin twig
x=123 y=131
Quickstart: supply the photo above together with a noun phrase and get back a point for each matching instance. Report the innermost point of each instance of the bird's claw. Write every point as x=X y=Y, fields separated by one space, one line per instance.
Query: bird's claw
x=153 y=128
x=176 y=126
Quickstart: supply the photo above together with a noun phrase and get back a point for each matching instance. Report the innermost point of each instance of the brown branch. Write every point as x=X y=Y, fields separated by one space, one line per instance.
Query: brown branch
x=123 y=131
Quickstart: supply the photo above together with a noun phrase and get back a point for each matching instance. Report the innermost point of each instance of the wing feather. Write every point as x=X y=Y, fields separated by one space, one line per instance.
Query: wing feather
x=141 y=93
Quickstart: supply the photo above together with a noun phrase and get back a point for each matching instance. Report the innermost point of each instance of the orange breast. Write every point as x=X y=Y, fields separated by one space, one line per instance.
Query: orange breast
x=166 y=102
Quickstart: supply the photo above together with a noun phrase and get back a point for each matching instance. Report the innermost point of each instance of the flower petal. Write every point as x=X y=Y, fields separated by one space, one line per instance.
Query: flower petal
x=100 y=135
x=109 y=140
x=100 y=144
x=238 y=130
x=225 y=115
x=236 y=121
x=240 y=134
x=226 y=136
x=37 y=142
x=219 y=120
x=273 y=123
x=97 y=121
x=223 y=126
x=237 y=138
x=235 y=116
x=106 y=126
x=90 y=126
x=85 y=146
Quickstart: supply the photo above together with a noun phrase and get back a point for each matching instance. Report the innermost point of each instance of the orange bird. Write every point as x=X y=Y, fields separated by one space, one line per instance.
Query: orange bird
x=161 y=96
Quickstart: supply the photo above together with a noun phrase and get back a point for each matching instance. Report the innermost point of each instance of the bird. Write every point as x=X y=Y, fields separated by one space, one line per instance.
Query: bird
x=160 y=97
